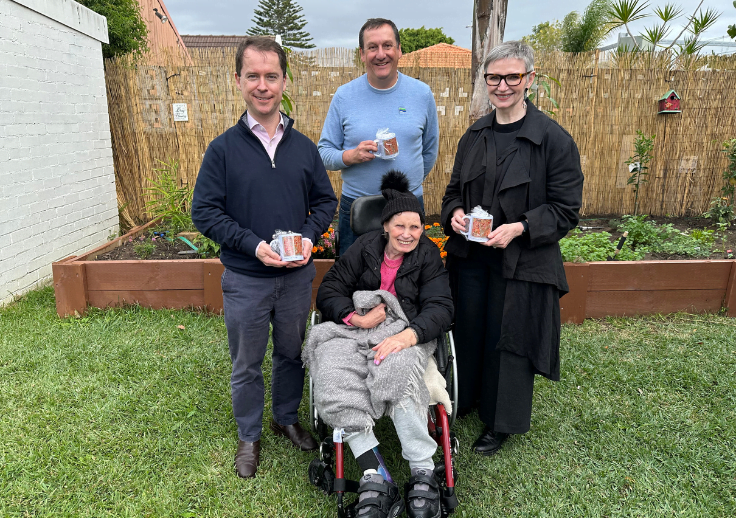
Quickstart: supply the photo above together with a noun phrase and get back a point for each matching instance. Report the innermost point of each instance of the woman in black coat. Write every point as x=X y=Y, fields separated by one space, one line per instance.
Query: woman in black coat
x=523 y=168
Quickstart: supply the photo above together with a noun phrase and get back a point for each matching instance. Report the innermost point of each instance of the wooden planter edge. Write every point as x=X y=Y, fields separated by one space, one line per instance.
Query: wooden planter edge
x=621 y=288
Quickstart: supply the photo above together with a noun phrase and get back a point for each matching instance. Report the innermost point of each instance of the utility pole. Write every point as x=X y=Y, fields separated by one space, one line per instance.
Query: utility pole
x=489 y=23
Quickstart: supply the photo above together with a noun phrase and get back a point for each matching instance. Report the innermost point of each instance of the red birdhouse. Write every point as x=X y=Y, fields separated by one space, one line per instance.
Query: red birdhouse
x=670 y=103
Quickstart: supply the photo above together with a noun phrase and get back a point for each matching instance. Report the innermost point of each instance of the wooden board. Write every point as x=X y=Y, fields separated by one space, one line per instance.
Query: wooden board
x=572 y=305
x=157 y=299
x=322 y=266
x=212 y=270
x=69 y=287
x=659 y=275
x=184 y=274
x=730 y=298
x=628 y=303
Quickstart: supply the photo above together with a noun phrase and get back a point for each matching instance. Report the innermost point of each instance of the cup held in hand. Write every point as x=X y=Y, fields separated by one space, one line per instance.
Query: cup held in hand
x=289 y=247
x=478 y=228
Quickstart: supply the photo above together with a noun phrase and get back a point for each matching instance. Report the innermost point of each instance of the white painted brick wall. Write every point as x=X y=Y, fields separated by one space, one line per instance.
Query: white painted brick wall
x=57 y=184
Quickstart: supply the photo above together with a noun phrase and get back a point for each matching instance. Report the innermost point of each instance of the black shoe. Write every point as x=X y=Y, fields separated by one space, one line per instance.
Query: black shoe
x=378 y=498
x=422 y=494
x=489 y=442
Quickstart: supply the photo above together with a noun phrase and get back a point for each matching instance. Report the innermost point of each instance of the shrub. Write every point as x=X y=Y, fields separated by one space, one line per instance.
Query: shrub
x=581 y=247
x=665 y=239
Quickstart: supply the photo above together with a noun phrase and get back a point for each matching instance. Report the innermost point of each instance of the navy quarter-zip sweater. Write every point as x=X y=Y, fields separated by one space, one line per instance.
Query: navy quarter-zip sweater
x=241 y=197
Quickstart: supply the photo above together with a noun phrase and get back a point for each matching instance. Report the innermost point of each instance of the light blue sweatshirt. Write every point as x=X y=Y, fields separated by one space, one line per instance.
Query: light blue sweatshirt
x=359 y=110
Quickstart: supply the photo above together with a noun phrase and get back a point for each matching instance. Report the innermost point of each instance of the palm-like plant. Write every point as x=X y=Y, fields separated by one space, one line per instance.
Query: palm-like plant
x=624 y=12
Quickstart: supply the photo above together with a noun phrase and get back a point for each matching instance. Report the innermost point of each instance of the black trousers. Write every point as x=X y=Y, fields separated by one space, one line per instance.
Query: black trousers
x=499 y=384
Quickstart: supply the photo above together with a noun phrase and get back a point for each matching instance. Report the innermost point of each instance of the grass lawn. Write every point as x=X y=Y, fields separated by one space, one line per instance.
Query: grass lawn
x=127 y=413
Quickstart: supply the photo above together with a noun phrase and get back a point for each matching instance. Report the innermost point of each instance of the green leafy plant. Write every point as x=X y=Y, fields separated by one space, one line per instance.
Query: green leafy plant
x=624 y=12
x=127 y=32
x=643 y=146
x=722 y=208
x=732 y=28
x=584 y=33
x=720 y=211
x=543 y=81
x=144 y=250
x=168 y=200
x=665 y=239
x=415 y=39
x=545 y=37
x=207 y=247
x=583 y=247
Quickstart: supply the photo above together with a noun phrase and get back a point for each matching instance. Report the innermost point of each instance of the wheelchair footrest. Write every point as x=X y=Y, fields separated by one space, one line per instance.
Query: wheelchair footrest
x=322 y=476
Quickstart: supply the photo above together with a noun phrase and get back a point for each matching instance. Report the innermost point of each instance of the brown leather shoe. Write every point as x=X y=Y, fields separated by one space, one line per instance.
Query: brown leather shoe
x=301 y=438
x=247 y=458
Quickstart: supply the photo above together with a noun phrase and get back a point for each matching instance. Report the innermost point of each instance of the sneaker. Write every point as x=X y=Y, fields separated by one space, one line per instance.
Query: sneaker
x=422 y=495
x=378 y=498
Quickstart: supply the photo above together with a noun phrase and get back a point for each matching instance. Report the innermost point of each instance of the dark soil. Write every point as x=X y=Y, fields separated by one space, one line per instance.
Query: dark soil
x=164 y=250
x=168 y=250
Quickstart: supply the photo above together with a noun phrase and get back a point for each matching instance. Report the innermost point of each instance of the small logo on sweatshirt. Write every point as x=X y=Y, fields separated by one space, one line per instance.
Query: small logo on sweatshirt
x=402 y=110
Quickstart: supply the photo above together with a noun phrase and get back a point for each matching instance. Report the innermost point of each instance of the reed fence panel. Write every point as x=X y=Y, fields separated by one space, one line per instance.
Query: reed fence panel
x=603 y=101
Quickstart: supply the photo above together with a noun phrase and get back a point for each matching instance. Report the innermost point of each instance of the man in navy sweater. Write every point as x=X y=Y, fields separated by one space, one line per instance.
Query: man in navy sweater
x=259 y=176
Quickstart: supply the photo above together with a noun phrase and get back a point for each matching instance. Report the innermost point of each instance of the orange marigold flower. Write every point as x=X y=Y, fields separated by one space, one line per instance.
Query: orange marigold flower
x=325 y=235
x=314 y=249
x=443 y=254
x=435 y=224
x=427 y=227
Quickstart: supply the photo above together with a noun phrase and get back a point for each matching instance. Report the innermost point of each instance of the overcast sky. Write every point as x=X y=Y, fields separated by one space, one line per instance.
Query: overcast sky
x=334 y=23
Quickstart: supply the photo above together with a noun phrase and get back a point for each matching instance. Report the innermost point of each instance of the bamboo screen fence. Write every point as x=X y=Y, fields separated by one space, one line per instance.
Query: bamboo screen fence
x=603 y=102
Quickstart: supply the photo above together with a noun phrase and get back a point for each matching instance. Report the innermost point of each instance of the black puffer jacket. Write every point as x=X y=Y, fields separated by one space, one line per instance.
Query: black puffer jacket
x=422 y=284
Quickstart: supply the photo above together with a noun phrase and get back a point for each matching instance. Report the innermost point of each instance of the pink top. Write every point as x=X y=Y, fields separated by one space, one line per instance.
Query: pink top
x=389 y=269
x=259 y=131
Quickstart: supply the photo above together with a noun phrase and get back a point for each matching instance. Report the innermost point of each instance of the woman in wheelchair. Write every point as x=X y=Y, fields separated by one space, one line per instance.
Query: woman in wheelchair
x=392 y=291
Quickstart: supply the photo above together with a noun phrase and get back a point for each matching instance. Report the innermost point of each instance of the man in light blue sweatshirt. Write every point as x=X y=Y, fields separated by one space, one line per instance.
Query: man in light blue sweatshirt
x=381 y=98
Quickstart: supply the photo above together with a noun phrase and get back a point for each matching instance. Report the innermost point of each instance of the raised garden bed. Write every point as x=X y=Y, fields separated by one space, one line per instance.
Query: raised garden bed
x=82 y=280
x=597 y=289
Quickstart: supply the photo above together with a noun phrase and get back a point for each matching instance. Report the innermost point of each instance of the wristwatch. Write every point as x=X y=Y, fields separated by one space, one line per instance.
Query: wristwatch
x=525 y=224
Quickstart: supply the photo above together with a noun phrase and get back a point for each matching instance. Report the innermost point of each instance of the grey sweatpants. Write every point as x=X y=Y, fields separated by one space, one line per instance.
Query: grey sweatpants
x=411 y=426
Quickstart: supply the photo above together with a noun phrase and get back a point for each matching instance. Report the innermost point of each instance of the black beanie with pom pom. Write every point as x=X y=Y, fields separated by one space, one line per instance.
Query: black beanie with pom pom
x=395 y=188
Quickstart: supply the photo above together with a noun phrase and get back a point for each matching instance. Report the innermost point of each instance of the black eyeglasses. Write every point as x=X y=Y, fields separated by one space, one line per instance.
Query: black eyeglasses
x=511 y=79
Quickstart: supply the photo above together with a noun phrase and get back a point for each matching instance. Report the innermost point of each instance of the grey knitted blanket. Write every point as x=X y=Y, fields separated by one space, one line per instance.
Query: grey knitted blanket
x=350 y=391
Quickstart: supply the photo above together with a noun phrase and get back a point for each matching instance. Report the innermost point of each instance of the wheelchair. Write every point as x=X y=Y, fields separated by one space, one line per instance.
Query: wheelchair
x=365 y=216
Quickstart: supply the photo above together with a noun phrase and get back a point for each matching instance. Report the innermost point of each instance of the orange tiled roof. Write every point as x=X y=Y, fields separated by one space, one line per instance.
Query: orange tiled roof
x=440 y=55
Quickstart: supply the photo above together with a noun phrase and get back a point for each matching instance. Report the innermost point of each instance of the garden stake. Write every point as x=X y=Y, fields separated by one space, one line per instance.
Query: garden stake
x=619 y=246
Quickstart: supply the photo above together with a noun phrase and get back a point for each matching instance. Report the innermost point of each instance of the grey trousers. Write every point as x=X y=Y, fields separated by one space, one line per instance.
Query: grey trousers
x=252 y=305
x=411 y=426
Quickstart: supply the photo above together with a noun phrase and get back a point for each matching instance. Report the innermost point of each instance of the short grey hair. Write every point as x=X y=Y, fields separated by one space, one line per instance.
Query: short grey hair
x=511 y=50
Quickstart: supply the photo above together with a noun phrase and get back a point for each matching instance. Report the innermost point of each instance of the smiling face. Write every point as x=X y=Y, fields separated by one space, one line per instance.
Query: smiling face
x=262 y=84
x=381 y=54
x=404 y=230
x=504 y=97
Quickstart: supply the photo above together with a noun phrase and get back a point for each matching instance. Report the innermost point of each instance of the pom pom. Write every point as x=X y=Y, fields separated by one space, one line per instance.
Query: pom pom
x=395 y=180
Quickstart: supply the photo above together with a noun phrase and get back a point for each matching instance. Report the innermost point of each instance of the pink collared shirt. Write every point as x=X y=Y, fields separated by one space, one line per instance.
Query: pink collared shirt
x=270 y=143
